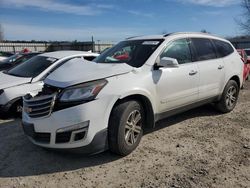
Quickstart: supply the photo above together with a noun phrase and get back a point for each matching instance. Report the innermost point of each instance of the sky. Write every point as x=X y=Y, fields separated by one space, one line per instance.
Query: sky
x=114 y=20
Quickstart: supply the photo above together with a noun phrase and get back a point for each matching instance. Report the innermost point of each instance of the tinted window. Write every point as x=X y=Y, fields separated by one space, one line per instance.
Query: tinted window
x=223 y=48
x=179 y=50
x=32 y=67
x=204 y=49
x=133 y=52
x=24 y=58
x=248 y=52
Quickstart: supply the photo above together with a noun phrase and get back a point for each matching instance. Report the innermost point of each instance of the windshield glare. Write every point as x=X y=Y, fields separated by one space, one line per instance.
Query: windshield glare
x=32 y=67
x=133 y=52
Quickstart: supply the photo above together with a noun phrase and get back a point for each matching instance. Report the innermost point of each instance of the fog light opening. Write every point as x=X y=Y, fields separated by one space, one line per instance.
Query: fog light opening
x=79 y=136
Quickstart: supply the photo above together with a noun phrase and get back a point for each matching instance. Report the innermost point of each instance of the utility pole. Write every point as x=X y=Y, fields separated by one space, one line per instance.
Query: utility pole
x=93 y=44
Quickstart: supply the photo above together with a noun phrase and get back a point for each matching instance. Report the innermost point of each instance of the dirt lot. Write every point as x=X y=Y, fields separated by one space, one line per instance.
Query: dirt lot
x=199 y=148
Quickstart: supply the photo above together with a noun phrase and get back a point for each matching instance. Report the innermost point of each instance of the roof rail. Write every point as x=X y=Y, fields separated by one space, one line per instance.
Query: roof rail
x=132 y=37
x=168 y=34
x=176 y=33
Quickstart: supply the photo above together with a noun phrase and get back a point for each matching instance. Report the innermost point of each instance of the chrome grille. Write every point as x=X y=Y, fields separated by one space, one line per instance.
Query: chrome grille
x=39 y=106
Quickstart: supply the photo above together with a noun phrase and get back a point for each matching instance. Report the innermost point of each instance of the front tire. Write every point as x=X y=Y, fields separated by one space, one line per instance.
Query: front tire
x=16 y=109
x=229 y=97
x=125 y=127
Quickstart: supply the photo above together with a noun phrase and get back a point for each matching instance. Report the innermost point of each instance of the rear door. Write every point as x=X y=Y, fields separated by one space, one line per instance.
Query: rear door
x=211 y=68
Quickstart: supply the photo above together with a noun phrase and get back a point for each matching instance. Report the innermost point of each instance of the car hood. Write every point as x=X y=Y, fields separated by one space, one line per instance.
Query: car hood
x=78 y=71
x=7 y=81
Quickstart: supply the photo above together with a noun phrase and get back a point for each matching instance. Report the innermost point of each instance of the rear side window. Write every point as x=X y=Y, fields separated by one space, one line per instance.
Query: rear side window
x=179 y=50
x=223 y=48
x=204 y=49
x=248 y=52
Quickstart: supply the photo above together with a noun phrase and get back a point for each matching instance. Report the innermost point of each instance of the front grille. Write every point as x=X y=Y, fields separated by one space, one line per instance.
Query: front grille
x=39 y=106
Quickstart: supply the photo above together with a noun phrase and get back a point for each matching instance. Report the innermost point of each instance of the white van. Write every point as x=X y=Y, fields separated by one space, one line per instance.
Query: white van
x=107 y=104
x=28 y=77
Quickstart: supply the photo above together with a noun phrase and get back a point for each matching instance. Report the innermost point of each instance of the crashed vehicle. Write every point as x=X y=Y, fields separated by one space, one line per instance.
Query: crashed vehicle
x=28 y=77
x=107 y=104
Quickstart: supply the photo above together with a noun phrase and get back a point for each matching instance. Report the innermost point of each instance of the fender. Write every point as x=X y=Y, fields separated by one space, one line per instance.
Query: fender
x=142 y=92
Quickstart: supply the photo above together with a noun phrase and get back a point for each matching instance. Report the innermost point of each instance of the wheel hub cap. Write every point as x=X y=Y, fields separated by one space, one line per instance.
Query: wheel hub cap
x=231 y=96
x=133 y=127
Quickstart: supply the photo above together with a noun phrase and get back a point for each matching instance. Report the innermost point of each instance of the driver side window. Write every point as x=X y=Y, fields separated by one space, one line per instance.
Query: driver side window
x=178 y=49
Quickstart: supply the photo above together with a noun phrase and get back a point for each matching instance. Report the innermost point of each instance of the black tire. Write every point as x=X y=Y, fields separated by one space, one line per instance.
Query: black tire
x=119 y=124
x=228 y=102
x=16 y=109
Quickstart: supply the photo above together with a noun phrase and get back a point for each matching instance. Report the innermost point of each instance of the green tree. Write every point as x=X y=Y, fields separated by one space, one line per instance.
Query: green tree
x=244 y=22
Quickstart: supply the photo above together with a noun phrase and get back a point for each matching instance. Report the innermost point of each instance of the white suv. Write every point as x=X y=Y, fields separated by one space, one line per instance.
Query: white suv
x=108 y=104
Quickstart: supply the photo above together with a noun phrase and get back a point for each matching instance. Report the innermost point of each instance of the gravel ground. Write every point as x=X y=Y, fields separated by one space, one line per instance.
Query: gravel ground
x=199 y=148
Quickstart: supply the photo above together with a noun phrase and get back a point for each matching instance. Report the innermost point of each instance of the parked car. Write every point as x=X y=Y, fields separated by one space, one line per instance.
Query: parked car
x=5 y=55
x=247 y=50
x=16 y=59
x=108 y=104
x=28 y=77
x=246 y=62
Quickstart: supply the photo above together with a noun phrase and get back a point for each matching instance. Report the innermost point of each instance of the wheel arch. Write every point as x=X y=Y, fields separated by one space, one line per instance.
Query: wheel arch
x=236 y=79
x=146 y=105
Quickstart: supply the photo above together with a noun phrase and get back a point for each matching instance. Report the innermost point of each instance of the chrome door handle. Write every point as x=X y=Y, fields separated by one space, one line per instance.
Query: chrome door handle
x=220 y=67
x=193 y=73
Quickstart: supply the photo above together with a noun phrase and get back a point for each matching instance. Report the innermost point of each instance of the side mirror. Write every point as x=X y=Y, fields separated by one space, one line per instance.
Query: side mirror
x=168 y=62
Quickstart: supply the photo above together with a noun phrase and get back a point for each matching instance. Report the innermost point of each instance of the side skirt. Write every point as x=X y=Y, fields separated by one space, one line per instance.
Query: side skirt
x=178 y=110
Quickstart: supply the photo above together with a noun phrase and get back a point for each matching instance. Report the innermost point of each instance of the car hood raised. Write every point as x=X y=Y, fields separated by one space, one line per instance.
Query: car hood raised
x=79 y=71
x=7 y=81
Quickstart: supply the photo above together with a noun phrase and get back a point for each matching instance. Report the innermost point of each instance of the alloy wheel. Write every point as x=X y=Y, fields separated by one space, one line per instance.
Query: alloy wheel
x=133 y=127
x=231 y=96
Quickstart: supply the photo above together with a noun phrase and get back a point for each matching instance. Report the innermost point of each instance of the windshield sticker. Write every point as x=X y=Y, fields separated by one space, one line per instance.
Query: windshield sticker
x=150 y=43
x=51 y=59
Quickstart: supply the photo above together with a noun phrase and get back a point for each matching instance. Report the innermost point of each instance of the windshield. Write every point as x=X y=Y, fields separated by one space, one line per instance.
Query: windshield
x=133 y=52
x=32 y=67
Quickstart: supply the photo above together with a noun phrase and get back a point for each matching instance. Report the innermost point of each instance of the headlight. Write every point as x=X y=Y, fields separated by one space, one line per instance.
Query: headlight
x=82 y=92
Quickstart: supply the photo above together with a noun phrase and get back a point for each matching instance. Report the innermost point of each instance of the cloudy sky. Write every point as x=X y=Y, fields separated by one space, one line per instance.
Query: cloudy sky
x=114 y=20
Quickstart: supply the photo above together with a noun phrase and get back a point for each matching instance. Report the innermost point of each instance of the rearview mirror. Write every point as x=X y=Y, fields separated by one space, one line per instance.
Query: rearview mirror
x=168 y=62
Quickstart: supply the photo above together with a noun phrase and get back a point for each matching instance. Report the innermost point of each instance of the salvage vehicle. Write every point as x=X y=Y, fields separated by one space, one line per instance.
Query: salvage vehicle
x=16 y=60
x=28 y=77
x=107 y=104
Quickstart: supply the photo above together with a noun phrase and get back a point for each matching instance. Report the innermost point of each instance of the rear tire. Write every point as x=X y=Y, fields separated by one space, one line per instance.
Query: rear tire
x=229 y=97
x=125 y=127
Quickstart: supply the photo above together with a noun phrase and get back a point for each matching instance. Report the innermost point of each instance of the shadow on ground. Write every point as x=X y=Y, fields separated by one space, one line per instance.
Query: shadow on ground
x=206 y=110
x=19 y=157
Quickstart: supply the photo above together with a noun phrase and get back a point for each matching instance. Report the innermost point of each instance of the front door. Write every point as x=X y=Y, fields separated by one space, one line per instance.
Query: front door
x=177 y=86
